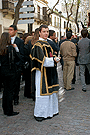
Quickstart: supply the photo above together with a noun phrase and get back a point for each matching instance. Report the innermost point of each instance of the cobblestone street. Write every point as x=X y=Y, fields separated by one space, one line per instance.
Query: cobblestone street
x=73 y=118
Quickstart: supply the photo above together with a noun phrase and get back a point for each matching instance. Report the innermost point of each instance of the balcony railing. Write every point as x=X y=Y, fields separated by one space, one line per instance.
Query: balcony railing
x=8 y=5
x=42 y=17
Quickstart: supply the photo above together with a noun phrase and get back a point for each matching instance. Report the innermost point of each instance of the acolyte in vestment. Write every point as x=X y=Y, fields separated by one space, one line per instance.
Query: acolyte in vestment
x=49 y=78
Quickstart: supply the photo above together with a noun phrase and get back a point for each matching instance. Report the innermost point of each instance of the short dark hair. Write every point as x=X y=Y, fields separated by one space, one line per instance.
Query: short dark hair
x=21 y=35
x=84 y=32
x=51 y=33
x=42 y=26
x=68 y=35
x=14 y=27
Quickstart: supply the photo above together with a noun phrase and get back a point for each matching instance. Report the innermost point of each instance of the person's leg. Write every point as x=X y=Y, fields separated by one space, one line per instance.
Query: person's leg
x=70 y=73
x=65 y=74
x=88 y=66
x=0 y=79
x=7 y=102
x=27 y=91
x=74 y=76
x=82 y=74
x=17 y=87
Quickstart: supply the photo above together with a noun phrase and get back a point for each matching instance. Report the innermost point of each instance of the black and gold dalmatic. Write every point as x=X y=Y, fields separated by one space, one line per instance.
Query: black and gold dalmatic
x=49 y=78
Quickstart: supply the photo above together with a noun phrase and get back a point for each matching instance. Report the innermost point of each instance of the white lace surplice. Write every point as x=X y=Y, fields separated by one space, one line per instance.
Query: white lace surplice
x=45 y=106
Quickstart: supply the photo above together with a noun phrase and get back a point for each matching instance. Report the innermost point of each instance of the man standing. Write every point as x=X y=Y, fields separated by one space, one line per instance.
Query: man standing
x=84 y=56
x=46 y=79
x=20 y=45
x=68 y=51
x=52 y=40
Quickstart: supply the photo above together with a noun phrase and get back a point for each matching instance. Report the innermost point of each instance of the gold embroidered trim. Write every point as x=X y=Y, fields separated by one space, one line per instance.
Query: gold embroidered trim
x=53 y=86
x=41 y=75
x=47 y=94
x=35 y=69
x=46 y=80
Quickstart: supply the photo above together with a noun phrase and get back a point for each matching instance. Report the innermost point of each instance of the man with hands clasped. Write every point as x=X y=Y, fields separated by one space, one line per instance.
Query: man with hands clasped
x=46 y=79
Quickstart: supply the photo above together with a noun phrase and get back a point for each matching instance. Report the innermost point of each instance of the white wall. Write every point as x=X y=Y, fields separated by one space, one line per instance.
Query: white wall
x=6 y=21
x=0 y=4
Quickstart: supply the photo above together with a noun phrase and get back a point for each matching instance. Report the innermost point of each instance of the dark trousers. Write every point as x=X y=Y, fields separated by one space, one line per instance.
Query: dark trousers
x=17 y=88
x=7 y=101
x=27 y=75
x=87 y=76
x=0 y=79
x=74 y=76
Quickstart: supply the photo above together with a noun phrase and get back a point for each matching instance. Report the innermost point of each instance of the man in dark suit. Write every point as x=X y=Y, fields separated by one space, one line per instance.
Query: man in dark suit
x=20 y=45
x=52 y=40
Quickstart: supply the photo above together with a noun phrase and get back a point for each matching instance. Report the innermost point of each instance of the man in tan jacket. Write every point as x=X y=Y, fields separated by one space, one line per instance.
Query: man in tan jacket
x=68 y=51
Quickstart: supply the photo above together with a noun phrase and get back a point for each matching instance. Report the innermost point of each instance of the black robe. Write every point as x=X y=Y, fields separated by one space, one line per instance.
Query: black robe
x=49 y=78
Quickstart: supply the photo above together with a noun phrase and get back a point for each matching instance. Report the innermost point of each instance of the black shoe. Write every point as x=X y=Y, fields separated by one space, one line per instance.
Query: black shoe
x=13 y=114
x=5 y=113
x=55 y=114
x=70 y=89
x=39 y=119
x=84 y=90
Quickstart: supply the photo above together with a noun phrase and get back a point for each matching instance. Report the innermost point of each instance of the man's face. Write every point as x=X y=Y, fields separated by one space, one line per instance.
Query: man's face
x=54 y=36
x=44 y=33
x=12 y=32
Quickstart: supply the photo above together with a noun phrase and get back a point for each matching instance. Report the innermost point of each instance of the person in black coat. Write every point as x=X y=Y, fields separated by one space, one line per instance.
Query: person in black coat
x=9 y=55
x=52 y=40
x=29 y=90
x=20 y=45
x=75 y=41
x=60 y=42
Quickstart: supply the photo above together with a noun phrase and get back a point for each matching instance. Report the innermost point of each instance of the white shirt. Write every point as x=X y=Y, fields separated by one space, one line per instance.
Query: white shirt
x=42 y=39
x=12 y=39
x=12 y=42
x=49 y=39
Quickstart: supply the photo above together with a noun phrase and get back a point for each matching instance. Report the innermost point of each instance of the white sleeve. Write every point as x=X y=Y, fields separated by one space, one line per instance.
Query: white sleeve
x=49 y=62
x=16 y=48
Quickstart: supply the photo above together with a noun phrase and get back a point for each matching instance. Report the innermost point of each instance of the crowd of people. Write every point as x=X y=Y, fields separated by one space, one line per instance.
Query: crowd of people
x=35 y=57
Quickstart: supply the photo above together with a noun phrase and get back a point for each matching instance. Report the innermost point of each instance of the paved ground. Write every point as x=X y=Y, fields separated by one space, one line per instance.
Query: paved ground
x=73 y=118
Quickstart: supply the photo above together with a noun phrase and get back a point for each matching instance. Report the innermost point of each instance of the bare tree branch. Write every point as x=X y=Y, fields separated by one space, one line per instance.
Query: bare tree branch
x=78 y=4
x=68 y=14
x=17 y=8
x=71 y=9
x=56 y=4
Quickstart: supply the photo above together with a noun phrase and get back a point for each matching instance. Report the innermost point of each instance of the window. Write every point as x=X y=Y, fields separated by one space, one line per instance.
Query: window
x=57 y=22
x=44 y=13
x=51 y=19
x=38 y=11
x=64 y=24
x=54 y=21
x=70 y=25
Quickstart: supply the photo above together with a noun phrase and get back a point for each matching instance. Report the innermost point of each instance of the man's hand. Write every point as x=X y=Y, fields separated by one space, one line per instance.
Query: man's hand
x=57 y=59
x=56 y=39
x=14 y=45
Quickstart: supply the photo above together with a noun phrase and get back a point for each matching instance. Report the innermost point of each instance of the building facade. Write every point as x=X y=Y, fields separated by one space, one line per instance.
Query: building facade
x=40 y=17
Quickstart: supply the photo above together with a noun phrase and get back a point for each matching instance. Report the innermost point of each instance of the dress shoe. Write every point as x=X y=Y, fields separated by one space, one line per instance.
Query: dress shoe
x=55 y=114
x=5 y=113
x=13 y=114
x=84 y=90
x=39 y=119
x=70 y=89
